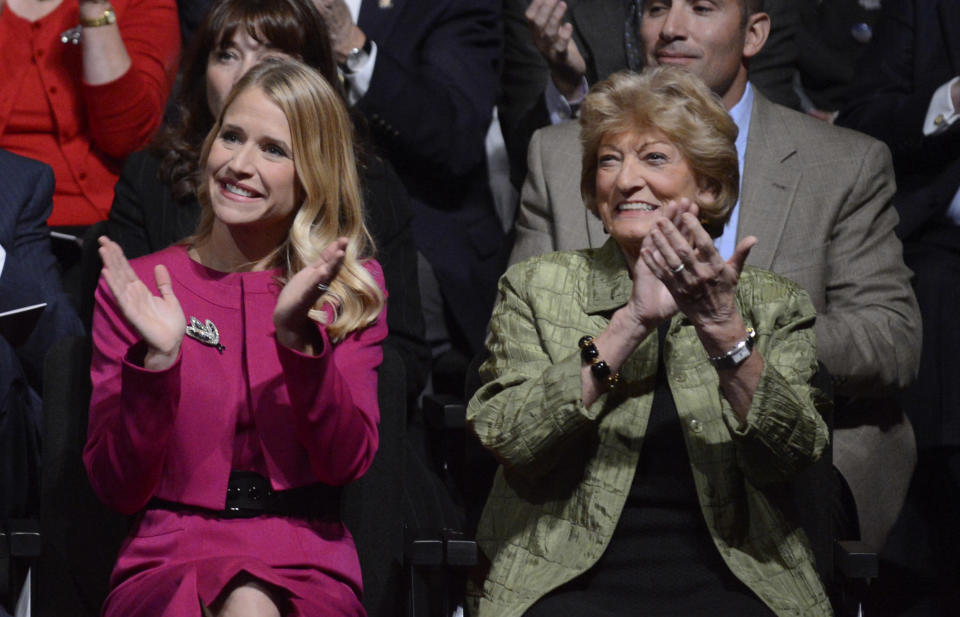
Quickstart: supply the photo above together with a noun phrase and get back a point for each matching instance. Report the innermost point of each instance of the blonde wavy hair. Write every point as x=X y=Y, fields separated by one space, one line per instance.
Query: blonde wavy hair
x=683 y=108
x=328 y=190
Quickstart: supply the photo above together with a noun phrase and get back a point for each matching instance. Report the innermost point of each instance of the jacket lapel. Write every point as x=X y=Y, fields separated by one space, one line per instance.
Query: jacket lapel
x=771 y=176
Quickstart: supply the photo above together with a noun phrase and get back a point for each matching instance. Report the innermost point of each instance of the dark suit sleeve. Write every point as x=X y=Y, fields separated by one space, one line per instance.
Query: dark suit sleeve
x=909 y=58
x=126 y=224
x=389 y=216
x=522 y=107
x=893 y=87
x=771 y=70
x=433 y=107
x=30 y=273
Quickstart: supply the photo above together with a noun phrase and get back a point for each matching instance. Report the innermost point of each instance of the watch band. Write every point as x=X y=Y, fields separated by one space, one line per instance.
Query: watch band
x=738 y=354
x=108 y=17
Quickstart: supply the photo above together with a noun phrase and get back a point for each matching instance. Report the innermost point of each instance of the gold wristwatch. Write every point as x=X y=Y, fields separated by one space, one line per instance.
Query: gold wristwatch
x=108 y=17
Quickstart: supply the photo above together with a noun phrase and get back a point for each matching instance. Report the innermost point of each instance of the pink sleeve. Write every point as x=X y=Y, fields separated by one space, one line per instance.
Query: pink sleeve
x=131 y=412
x=124 y=114
x=334 y=399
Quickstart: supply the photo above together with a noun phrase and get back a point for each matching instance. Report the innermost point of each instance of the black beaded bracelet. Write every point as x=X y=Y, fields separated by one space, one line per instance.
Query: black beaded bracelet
x=600 y=369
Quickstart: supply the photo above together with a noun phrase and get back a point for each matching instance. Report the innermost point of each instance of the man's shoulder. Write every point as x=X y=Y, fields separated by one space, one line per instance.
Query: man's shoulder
x=10 y=163
x=563 y=133
x=806 y=131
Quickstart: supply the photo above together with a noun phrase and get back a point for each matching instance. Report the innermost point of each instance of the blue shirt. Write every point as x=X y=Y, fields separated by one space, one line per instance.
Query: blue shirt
x=740 y=113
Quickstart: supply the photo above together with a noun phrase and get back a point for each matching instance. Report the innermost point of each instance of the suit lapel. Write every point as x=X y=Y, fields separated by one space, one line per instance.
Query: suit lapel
x=949 y=23
x=600 y=26
x=771 y=176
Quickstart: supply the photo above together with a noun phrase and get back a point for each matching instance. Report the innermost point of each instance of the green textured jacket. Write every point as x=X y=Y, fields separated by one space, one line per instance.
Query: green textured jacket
x=566 y=469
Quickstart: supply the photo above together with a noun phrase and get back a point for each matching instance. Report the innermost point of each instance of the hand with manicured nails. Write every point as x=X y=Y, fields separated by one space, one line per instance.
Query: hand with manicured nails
x=159 y=319
x=681 y=254
x=294 y=327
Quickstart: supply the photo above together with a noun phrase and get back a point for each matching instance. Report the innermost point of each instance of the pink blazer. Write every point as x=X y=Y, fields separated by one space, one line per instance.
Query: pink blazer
x=170 y=434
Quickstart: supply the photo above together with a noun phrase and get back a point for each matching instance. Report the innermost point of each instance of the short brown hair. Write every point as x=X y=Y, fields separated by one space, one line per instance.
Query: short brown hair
x=749 y=7
x=679 y=105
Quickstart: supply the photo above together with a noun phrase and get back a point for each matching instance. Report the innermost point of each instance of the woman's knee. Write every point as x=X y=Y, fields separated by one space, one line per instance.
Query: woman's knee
x=251 y=599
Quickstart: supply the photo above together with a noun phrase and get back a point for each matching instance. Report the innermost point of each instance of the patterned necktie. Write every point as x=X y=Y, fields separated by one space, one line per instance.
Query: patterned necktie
x=631 y=35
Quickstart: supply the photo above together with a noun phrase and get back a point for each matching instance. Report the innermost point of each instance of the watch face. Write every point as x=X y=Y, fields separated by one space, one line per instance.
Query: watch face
x=740 y=355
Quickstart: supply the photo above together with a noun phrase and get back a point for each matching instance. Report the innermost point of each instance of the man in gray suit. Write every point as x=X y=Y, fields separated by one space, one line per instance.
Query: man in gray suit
x=818 y=198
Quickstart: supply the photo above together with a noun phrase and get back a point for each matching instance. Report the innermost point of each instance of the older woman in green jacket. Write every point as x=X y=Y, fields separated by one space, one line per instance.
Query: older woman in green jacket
x=647 y=400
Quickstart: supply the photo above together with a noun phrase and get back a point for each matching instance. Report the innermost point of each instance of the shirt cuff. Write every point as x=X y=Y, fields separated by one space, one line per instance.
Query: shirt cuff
x=559 y=108
x=358 y=82
x=953 y=212
x=941 y=113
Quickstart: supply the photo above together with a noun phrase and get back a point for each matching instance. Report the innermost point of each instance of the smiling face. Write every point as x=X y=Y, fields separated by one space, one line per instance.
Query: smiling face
x=638 y=173
x=250 y=171
x=710 y=38
x=228 y=63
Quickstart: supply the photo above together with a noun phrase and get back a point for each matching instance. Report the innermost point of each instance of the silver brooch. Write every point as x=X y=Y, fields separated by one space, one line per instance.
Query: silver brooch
x=206 y=333
x=71 y=36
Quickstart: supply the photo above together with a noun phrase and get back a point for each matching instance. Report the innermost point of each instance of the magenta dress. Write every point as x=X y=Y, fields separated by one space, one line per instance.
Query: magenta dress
x=253 y=405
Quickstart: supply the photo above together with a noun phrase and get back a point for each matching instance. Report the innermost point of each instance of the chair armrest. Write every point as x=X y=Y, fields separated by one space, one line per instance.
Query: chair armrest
x=444 y=412
x=424 y=548
x=856 y=560
x=459 y=551
x=440 y=548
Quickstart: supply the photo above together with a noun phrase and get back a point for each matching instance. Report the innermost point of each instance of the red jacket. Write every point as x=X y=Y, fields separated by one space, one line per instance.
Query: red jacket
x=92 y=128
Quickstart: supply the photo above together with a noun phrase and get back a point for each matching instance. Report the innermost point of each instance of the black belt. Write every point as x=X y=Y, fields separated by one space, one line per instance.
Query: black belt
x=249 y=494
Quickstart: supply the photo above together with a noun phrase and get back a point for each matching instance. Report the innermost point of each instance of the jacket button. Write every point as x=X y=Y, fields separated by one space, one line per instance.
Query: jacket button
x=696 y=426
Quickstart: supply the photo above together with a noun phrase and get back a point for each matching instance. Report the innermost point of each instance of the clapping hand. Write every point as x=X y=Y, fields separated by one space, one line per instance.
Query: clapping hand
x=554 y=40
x=158 y=319
x=294 y=327
x=680 y=253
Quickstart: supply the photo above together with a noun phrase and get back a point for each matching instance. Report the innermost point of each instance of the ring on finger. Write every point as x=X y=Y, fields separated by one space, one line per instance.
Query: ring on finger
x=323 y=288
x=678 y=269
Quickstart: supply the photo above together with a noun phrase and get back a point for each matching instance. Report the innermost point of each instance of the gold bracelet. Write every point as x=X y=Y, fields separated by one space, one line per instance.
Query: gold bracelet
x=108 y=17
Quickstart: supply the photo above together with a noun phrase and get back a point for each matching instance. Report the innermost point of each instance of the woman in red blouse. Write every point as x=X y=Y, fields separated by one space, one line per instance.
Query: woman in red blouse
x=82 y=99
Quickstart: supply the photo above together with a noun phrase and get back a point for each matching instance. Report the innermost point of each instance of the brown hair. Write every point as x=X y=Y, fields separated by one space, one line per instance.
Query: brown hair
x=680 y=105
x=293 y=27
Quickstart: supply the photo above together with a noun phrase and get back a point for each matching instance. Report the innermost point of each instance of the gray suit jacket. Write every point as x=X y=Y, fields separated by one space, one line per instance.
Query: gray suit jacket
x=818 y=198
